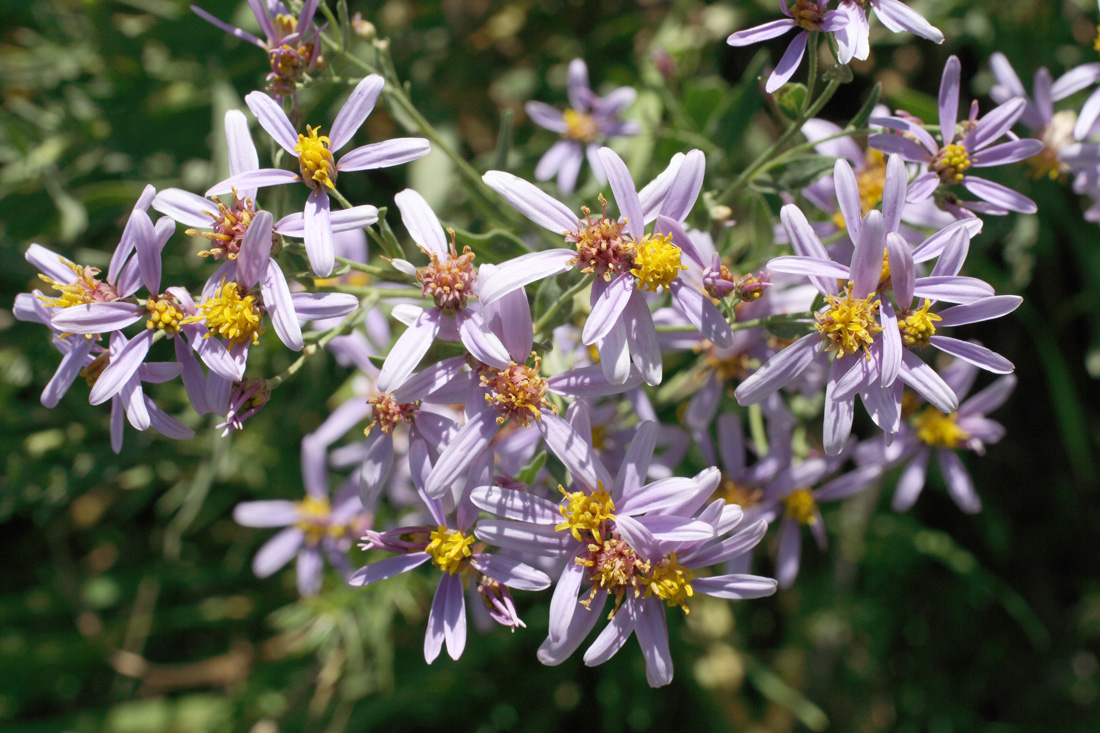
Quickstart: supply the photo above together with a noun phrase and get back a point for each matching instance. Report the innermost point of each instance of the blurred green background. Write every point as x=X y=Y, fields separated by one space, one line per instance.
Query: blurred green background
x=129 y=605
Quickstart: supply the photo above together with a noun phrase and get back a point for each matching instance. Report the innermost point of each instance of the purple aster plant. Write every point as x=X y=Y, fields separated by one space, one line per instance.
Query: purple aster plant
x=621 y=256
x=314 y=528
x=807 y=16
x=947 y=164
x=625 y=540
x=318 y=168
x=929 y=429
x=448 y=543
x=292 y=43
x=584 y=126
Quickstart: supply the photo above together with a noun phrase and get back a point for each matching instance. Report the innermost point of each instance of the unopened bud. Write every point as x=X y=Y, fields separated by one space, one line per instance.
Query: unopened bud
x=363 y=28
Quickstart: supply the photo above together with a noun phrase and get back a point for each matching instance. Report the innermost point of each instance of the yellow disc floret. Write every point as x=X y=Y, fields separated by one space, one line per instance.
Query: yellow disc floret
x=314 y=518
x=237 y=320
x=950 y=163
x=849 y=324
x=800 y=506
x=579 y=126
x=656 y=262
x=315 y=159
x=163 y=315
x=919 y=326
x=584 y=512
x=450 y=549
x=671 y=582
x=517 y=392
x=939 y=429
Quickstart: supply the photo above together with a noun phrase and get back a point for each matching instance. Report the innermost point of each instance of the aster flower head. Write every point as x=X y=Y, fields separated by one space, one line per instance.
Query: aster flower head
x=807 y=16
x=318 y=169
x=450 y=545
x=971 y=147
x=928 y=430
x=622 y=258
x=315 y=528
x=627 y=542
x=588 y=122
x=292 y=43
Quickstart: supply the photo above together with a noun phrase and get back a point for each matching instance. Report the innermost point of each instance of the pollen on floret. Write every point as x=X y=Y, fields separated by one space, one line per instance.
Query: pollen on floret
x=806 y=14
x=450 y=549
x=603 y=248
x=918 y=327
x=579 y=126
x=86 y=288
x=613 y=567
x=163 y=315
x=315 y=159
x=800 y=506
x=388 y=413
x=849 y=324
x=315 y=520
x=586 y=512
x=939 y=429
x=656 y=262
x=229 y=225
x=449 y=282
x=237 y=320
x=517 y=392
x=671 y=582
x=951 y=163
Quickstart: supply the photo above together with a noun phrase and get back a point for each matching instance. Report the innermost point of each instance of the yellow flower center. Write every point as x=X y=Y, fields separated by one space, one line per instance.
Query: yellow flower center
x=599 y=437
x=315 y=159
x=849 y=324
x=314 y=514
x=163 y=315
x=1055 y=136
x=603 y=249
x=236 y=319
x=86 y=288
x=1096 y=43
x=517 y=392
x=585 y=512
x=728 y=368
x=388 y=413
x=450 y=549
x=918 y=328
x=939 y=429
x=671 y=582
x=449 y=282
x=92 y=371
x=613 y=567
x=806 y=14
x=951 y=163
x=656 y=261
x=579 y=126
x=734 y=493
x=800 y=506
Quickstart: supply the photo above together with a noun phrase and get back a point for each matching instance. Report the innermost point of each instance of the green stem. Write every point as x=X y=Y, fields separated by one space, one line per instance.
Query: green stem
x=566 y=297
x=772 y=320
x=758 y=165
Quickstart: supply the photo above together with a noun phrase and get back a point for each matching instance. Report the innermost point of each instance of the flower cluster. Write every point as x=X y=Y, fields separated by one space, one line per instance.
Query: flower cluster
x=476 y=441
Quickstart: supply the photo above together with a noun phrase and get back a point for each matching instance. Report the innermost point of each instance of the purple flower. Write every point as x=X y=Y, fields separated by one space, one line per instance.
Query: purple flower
x=1056 y=130
x=790 y=495
x=946 y=433
x=292 y=44
x=317 y=167
x=947 y=164
x=808 y=16
x=623 y=258
x=447 y=545
x=584 y=127
x=853 y=40
x=628 y=541
x=314 y=527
